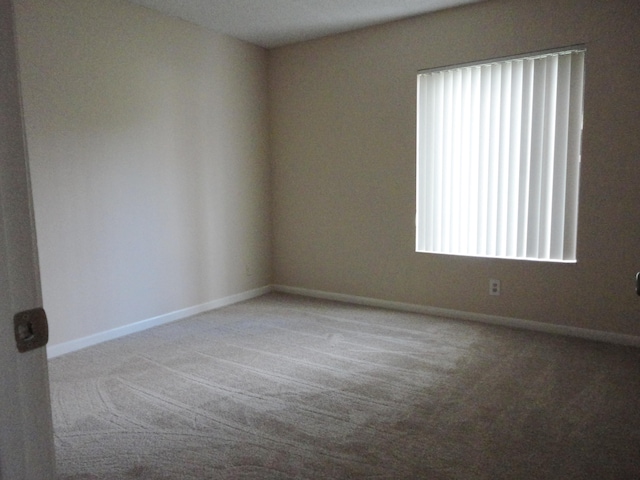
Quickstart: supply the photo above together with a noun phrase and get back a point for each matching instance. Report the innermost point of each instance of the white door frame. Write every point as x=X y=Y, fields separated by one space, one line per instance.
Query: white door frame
x=26 y=433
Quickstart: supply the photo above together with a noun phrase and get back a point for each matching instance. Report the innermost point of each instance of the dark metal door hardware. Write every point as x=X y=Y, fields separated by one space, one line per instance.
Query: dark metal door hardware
x=31 y=329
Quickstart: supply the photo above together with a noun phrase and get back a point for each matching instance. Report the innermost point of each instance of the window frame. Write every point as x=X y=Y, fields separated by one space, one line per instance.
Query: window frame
x=574 y=116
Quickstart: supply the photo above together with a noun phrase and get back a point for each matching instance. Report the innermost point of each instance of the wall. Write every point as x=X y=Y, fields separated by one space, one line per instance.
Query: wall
x=148 y=147
x=343 y=153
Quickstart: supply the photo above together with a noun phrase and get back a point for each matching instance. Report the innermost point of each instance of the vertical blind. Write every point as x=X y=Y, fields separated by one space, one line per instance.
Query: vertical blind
x=498 y=157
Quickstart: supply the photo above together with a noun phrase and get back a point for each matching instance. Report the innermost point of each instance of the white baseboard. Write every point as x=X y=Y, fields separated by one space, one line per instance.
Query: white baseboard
x=597 y=335
x=585 y=333
x=80 y=343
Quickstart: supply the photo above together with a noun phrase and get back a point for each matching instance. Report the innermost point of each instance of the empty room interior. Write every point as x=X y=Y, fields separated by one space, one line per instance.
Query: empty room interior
x=181 y=175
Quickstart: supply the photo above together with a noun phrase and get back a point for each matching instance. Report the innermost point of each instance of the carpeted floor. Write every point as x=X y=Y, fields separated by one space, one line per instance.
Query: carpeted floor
x=284 y=387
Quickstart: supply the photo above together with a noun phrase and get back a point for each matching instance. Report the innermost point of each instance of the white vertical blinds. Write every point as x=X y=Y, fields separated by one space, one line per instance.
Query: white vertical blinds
x=498 y=157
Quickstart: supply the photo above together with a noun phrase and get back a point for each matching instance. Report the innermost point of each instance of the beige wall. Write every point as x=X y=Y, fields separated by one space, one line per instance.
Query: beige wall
x=148 y=148
x=148 y=143
x=343 y=154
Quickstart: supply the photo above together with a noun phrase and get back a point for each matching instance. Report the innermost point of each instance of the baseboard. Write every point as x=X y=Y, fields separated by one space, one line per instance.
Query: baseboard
x=80 y=343
x=597 y=335
x=584 y=333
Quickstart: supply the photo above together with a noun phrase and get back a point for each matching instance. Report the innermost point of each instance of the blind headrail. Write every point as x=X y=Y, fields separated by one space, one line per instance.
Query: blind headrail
x=523 y=56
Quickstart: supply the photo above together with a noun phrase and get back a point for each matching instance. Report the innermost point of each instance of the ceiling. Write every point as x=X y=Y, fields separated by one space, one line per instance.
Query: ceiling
x=273 y=23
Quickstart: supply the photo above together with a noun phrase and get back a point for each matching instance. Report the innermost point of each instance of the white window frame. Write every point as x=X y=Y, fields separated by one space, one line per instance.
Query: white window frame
x=498 y=157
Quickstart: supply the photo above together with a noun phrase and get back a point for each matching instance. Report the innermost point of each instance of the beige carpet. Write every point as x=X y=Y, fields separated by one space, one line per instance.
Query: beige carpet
x=284 y=387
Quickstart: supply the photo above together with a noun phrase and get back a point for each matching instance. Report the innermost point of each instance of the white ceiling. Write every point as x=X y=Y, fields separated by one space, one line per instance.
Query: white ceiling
x=273 y=23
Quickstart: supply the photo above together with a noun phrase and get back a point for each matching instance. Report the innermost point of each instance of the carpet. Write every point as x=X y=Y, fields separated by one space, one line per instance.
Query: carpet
x=286 y=387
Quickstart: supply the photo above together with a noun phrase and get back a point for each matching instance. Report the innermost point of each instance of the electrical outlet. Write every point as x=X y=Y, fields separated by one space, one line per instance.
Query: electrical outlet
x=248 y=270
x=494 y=287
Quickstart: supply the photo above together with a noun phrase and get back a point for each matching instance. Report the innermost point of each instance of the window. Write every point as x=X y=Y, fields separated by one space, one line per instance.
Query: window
x=498 y=157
